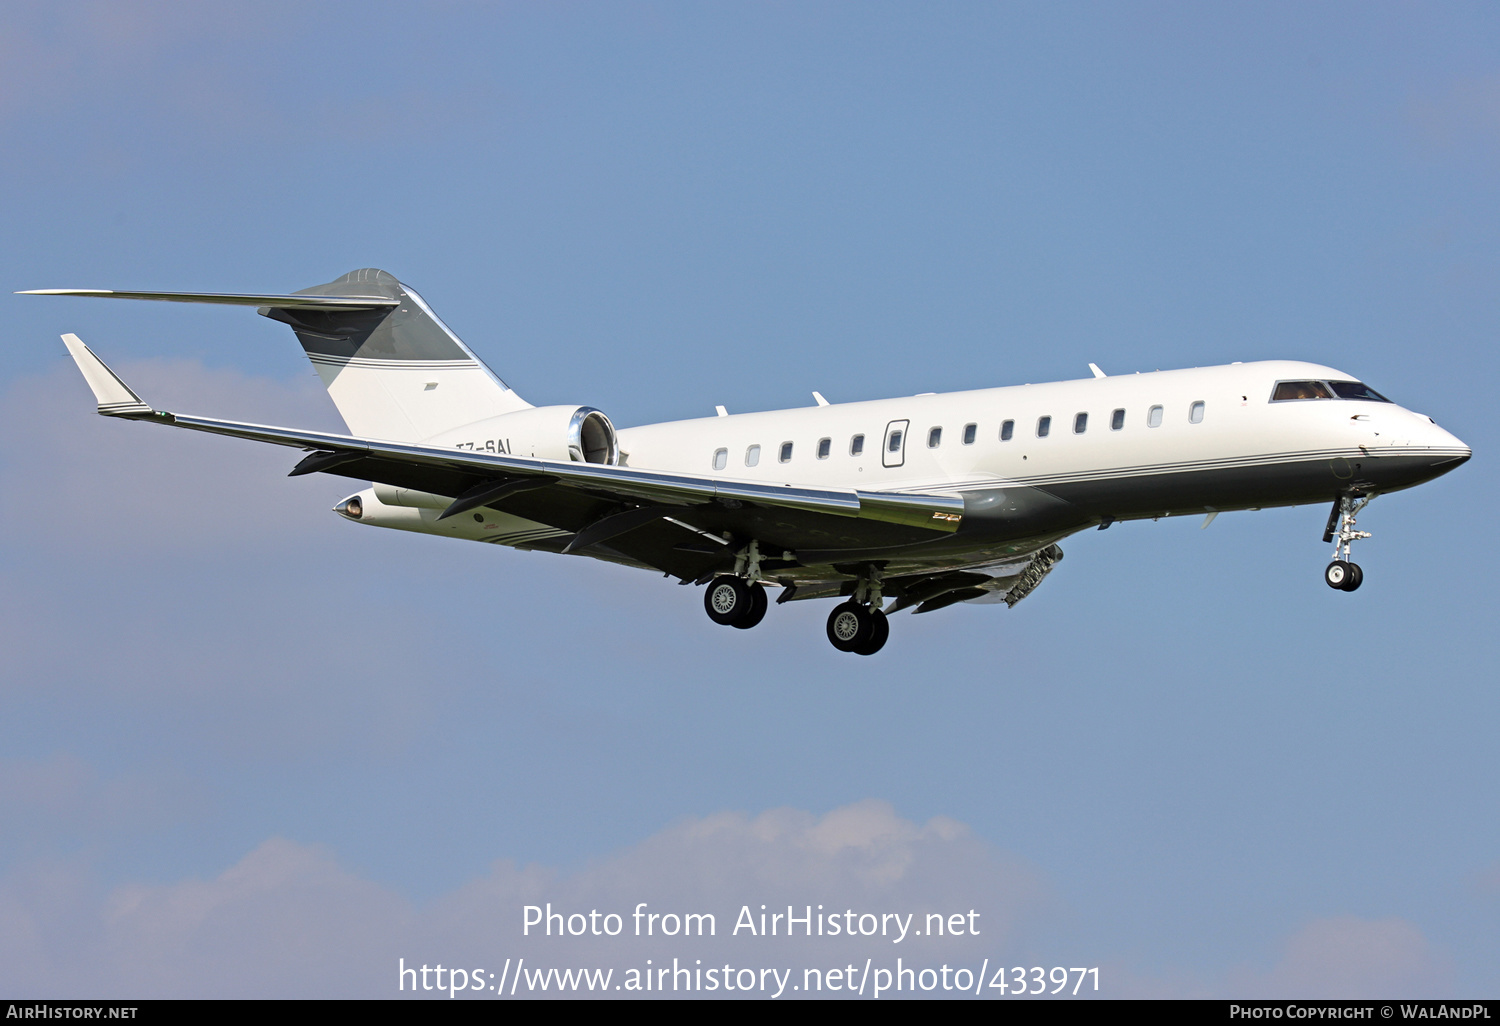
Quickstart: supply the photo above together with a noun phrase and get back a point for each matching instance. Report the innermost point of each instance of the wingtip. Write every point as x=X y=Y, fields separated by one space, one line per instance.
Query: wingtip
x=115 y=398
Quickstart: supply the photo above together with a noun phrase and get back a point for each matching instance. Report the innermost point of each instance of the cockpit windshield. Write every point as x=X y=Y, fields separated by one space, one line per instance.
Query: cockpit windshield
x=1289 y=390
x=1300 y=390
x=1356 y=390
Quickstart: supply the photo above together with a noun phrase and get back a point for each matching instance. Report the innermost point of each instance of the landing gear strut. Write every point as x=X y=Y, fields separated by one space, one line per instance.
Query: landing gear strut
x=859 y=625
x=1343 y=574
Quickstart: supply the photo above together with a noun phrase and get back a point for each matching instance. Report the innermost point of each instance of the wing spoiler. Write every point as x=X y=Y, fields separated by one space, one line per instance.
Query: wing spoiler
x=942 y=513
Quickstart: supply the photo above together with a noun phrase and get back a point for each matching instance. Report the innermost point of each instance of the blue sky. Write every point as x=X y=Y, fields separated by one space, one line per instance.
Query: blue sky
x=1183 y=758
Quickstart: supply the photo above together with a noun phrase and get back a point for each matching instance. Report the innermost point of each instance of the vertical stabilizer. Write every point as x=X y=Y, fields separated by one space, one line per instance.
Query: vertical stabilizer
x=394 y=372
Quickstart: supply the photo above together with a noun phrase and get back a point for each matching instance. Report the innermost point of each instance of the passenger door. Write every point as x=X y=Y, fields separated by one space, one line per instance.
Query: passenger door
x=893 y=448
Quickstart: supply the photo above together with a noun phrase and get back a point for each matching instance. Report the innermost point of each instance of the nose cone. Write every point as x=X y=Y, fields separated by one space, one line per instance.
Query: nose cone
x=1444 y=451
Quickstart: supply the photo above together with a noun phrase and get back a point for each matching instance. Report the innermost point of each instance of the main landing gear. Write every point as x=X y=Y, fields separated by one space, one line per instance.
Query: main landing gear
x=859 y=625
x=738 y=599
x=1342 y=574
x=858 y=629
x=735 y=602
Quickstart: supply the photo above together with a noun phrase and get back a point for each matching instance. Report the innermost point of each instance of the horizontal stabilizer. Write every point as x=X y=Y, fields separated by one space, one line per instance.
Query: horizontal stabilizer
x=114 y=396
x=233 y=299
x=393 y=369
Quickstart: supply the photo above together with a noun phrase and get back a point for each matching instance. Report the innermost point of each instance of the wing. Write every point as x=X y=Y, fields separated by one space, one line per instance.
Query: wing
x=684 y=525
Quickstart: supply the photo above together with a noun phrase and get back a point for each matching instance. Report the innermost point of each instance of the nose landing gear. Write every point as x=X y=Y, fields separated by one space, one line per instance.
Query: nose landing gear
x=1343 y=574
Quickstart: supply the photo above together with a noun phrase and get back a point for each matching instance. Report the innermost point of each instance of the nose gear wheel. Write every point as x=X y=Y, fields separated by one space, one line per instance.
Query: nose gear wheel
x=1343 y=574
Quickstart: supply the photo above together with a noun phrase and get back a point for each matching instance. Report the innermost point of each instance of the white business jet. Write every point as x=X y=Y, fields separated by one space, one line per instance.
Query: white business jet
x=917 y=502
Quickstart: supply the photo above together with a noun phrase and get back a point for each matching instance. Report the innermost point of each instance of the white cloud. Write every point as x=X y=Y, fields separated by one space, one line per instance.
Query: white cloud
x=1350 y=957
x=109 y=487
x=288 y=920
x=149 y=565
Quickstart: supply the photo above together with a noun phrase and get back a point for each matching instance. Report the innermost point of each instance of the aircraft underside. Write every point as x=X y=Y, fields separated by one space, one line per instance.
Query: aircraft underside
x=1006 y=546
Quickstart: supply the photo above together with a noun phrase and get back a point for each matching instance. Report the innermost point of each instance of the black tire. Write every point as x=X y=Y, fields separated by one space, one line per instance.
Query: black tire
x=758 y=606
x=849 y=625
x=1337 y=575
x=880 y=630
x=1355 y=579
x=727 y=600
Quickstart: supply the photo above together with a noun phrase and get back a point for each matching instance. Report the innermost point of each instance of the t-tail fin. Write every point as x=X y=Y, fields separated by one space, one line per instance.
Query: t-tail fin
x=394 y=372
x=393 y=369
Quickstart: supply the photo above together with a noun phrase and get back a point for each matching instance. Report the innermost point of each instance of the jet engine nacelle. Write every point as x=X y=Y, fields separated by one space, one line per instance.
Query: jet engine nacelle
x=578 y=433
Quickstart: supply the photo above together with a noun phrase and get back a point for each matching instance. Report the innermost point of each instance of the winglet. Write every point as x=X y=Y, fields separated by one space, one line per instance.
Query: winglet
x=114 y=396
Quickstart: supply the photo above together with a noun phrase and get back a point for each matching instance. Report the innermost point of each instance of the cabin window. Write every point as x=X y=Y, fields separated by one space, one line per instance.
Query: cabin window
x=1043 y=427
x=1080 y=423
x=970 y=431
x=1007 y=430
x=752 y=456
x=825 y=446
x=856 y=445
x=934 y=438
x=721 y=459
x=1195 y=413
x=1153 y=417
x=786 y=452
x=894 y=445
x=1117 y=420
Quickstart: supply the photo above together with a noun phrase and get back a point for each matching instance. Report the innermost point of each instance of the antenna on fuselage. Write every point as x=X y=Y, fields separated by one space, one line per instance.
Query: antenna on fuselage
x=1097 y=372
